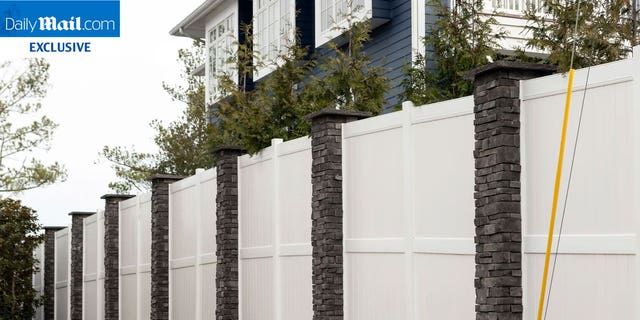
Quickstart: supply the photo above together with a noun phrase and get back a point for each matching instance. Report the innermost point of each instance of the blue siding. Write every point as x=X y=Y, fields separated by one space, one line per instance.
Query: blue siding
x=390 y=47
x=305 y=23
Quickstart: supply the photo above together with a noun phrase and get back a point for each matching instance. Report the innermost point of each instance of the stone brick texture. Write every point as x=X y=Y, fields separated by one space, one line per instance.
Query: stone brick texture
x=49 y=270
x=498 y=277
x=160 y=245
x=227 y=232
x=326 y=211
x=111 y=214
x=76 y=263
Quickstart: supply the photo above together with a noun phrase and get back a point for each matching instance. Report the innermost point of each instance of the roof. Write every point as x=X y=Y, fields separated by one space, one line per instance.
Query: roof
x=194 y=25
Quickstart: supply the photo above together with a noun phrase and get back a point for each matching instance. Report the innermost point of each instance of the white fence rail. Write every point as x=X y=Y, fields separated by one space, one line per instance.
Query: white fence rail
x=38 y=279
x=135 y=257
x=93 y=264
x=409 y=212
x=192 y=247
x=62 y=274
x=275 y=232
x=597 y=274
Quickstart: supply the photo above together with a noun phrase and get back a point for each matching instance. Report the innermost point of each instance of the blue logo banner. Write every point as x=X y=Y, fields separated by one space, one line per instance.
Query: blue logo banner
x=50 y=18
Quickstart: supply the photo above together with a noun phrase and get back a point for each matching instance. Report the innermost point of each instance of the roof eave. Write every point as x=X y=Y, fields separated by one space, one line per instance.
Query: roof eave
x=193 y=26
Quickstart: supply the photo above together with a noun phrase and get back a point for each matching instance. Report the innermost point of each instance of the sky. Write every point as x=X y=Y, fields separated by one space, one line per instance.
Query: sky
x=105 y=97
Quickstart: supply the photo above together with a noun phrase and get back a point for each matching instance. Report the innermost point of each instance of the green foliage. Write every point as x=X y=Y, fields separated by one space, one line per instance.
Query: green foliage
x=349 y=81
x=184 y=144
x=605 y=31
x=19 y=238
x=22 y=131
x=461 y=40
x=274 y=108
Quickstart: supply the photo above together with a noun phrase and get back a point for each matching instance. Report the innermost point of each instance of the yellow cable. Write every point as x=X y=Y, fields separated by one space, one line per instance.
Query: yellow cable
x=556 y=190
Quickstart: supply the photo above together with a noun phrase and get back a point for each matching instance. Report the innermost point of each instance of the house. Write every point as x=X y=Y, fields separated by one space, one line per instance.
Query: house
x=397 y=29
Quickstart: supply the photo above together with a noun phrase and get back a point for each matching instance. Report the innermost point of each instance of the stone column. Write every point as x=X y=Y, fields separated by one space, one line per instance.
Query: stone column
x=160 y=245
x=48 y=267
x=227 y=232
x=498 y=279
x=111 y=245
x=76 y=263
x=326 y=211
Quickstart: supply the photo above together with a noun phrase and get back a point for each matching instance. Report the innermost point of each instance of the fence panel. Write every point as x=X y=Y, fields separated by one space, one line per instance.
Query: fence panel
x=135 y=257
x=275 y=232
x=62 y=274
x=93 y=264
x=597 y=265
x=408 y=213
x=192 y=247
x=38 y=279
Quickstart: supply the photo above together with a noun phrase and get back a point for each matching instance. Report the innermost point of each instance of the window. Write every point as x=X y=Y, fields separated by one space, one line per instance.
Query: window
x=219 y=46
x=274 y=29
x=517 y=6
x=331 y=16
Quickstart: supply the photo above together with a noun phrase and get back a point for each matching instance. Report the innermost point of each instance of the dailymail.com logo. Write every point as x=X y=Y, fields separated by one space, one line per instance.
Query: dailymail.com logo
x=71 y=18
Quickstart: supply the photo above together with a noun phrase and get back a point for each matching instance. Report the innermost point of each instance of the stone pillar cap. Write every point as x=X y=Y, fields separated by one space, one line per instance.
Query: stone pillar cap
x=116 y=196
x=54 y=228
x=337 y=112
x=510 y=65
x=165 y=176
x=81 y=213
x=229 y=148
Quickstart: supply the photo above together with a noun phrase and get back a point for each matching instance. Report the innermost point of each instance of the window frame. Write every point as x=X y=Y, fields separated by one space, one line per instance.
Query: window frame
x=333 y=31
x=280 y=32
x=222 y=43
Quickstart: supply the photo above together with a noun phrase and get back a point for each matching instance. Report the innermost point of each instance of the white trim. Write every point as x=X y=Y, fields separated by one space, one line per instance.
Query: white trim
x=418 y=28
x=336 y=29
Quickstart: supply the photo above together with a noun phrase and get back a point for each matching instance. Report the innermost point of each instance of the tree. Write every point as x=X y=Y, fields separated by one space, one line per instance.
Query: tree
x=19 y=237
x=21 y=130
x=461 y=39
x=347 y=80
x=184 y=144
x=606 y=31
x=274 y=108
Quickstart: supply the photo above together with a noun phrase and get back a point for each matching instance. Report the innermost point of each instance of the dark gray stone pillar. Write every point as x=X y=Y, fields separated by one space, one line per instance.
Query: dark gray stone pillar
x=111 y=245
x=498 y=279
x=326 y=211
x=76 y=263
x=227 y=232
x=48 y=267
x=160 y=245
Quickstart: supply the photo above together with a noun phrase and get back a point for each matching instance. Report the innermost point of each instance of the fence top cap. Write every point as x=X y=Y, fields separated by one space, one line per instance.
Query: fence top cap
x=337 y=112
x=53 y=228
x=543 y=69
x=81 y=213
x=165 y=177
x=116 y=196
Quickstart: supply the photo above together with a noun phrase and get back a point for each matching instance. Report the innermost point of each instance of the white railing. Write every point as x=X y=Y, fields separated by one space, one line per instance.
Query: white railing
x=274 y=219
x=192 y=247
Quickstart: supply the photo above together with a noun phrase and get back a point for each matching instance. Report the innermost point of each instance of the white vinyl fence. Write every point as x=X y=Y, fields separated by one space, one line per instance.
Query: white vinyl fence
x=409 y=212
x=275 y=232
x=93 y=264
x=192 y=247
x=597 y=275
x=135 y=257
x=62 y=274
x=38 y=279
